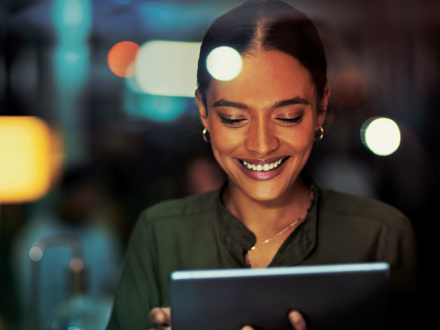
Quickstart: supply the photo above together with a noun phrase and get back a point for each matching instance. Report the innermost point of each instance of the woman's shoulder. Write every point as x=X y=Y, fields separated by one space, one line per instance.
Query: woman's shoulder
x=359 y=207
x=183 y=207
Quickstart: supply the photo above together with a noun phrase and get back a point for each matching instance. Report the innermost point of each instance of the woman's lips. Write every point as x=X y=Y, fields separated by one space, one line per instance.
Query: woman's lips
x=262 y=169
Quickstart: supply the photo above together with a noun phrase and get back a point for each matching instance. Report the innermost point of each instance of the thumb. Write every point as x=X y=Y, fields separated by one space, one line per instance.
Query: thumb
x=297 y=320
x=160 y=315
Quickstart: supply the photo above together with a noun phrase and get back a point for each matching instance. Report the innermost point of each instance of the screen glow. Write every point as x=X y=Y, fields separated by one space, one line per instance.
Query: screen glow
x=280 y=270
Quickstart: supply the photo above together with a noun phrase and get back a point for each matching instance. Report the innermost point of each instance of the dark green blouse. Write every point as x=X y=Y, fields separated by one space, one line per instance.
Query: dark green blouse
x=198 y=232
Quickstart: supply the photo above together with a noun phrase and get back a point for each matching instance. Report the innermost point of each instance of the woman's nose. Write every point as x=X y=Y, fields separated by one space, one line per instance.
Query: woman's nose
x=261 y=137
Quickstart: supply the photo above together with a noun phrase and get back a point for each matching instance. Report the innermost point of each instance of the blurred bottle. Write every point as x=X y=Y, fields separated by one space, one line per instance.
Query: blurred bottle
x=79 y=312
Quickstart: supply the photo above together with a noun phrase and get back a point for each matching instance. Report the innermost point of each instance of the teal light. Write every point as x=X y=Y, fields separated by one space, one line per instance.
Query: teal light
x=155 y=107
x=72 y=20
x=71 y=68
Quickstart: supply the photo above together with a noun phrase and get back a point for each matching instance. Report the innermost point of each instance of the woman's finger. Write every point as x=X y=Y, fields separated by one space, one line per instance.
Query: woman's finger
x=297 y=320
x=161 y=316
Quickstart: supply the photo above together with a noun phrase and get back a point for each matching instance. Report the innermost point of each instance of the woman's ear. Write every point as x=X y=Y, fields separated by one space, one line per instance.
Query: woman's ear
x=203 y=112
x=322 y=111
x=326 y=96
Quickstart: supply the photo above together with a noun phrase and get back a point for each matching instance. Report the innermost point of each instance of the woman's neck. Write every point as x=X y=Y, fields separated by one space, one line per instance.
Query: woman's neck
x=265 y=218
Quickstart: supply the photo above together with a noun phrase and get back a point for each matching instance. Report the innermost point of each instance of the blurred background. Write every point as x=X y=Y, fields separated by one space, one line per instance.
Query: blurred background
x=98 y=122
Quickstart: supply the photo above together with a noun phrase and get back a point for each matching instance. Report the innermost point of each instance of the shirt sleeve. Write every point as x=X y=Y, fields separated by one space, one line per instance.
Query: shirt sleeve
x=138 y=290
x=401 y=253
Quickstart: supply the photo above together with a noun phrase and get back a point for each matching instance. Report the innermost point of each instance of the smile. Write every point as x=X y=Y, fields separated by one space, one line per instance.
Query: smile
x=263 y=166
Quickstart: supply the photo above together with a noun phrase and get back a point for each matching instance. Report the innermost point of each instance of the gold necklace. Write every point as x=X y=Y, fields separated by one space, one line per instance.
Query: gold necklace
x=300 y=218
x=278 y=234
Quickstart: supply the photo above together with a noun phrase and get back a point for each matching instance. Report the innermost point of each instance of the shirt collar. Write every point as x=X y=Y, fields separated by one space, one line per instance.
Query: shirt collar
x=238 y=239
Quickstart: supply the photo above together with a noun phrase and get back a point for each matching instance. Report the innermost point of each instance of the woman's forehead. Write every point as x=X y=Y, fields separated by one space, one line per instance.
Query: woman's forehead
x=266 y=77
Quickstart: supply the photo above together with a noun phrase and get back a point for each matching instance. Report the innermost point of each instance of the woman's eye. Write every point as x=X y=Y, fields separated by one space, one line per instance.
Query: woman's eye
x=232 y=122
x=295 y=120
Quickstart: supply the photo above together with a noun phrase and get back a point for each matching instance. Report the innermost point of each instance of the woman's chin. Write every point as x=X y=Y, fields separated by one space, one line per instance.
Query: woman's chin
x=265 y=194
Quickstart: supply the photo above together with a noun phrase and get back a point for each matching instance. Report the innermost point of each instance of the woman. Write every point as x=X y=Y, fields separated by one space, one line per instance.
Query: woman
x=261 y=126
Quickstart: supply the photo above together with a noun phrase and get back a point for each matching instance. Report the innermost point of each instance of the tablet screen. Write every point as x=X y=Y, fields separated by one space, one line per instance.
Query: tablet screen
x=349 y=296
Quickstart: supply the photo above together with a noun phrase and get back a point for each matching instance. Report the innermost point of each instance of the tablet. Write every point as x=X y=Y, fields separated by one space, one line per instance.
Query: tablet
x=345 y=296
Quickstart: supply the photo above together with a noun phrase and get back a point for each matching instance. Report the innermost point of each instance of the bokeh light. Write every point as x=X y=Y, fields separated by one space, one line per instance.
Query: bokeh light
x=155 y=107
x=224 y=63
x=36 y=253
x=26 y=162
x=167 y=68
x=349 y=88
x=76 y=265
x=121 y=58
x=381 y=136
x=72 y=20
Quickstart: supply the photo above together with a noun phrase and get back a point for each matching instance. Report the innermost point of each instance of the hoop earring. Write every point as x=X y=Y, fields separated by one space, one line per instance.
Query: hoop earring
x=206 y=136
x=321 y=135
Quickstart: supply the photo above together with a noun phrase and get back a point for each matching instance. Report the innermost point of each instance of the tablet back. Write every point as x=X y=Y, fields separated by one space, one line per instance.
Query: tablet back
x=349 y=296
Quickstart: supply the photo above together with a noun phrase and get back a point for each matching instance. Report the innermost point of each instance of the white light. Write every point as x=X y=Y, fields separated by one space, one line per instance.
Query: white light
x=224 y=63
x=381 y=136
x=36 y=253
x=339 y=268
x=167 y=68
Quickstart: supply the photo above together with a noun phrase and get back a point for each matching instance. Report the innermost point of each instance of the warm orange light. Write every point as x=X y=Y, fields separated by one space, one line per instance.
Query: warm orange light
x=349 y=88
x=25 y=159
x=121 y=58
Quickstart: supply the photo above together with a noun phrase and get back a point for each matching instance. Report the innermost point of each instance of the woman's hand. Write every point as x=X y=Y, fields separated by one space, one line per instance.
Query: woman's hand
x=295 y=319
x=161 y=316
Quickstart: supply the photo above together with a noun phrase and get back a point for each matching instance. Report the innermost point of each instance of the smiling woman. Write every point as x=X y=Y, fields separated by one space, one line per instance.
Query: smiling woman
x=266 y=116
x=262 y=126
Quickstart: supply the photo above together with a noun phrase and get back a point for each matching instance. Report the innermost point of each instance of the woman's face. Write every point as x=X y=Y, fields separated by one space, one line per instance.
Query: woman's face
x=262 y=124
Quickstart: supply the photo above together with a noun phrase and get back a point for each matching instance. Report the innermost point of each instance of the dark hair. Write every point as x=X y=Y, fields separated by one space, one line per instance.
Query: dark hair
x=266 y=25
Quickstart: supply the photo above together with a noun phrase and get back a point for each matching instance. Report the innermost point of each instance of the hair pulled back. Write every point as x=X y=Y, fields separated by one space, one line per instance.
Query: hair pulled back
x=259 y=25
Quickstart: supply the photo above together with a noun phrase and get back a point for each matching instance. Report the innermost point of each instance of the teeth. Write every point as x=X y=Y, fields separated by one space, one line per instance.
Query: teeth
x=265 y=167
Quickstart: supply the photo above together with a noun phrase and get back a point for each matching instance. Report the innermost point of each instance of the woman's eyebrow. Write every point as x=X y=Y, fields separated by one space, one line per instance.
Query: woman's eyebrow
x=279 y=104
x=226 y=103
x=292 y=101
